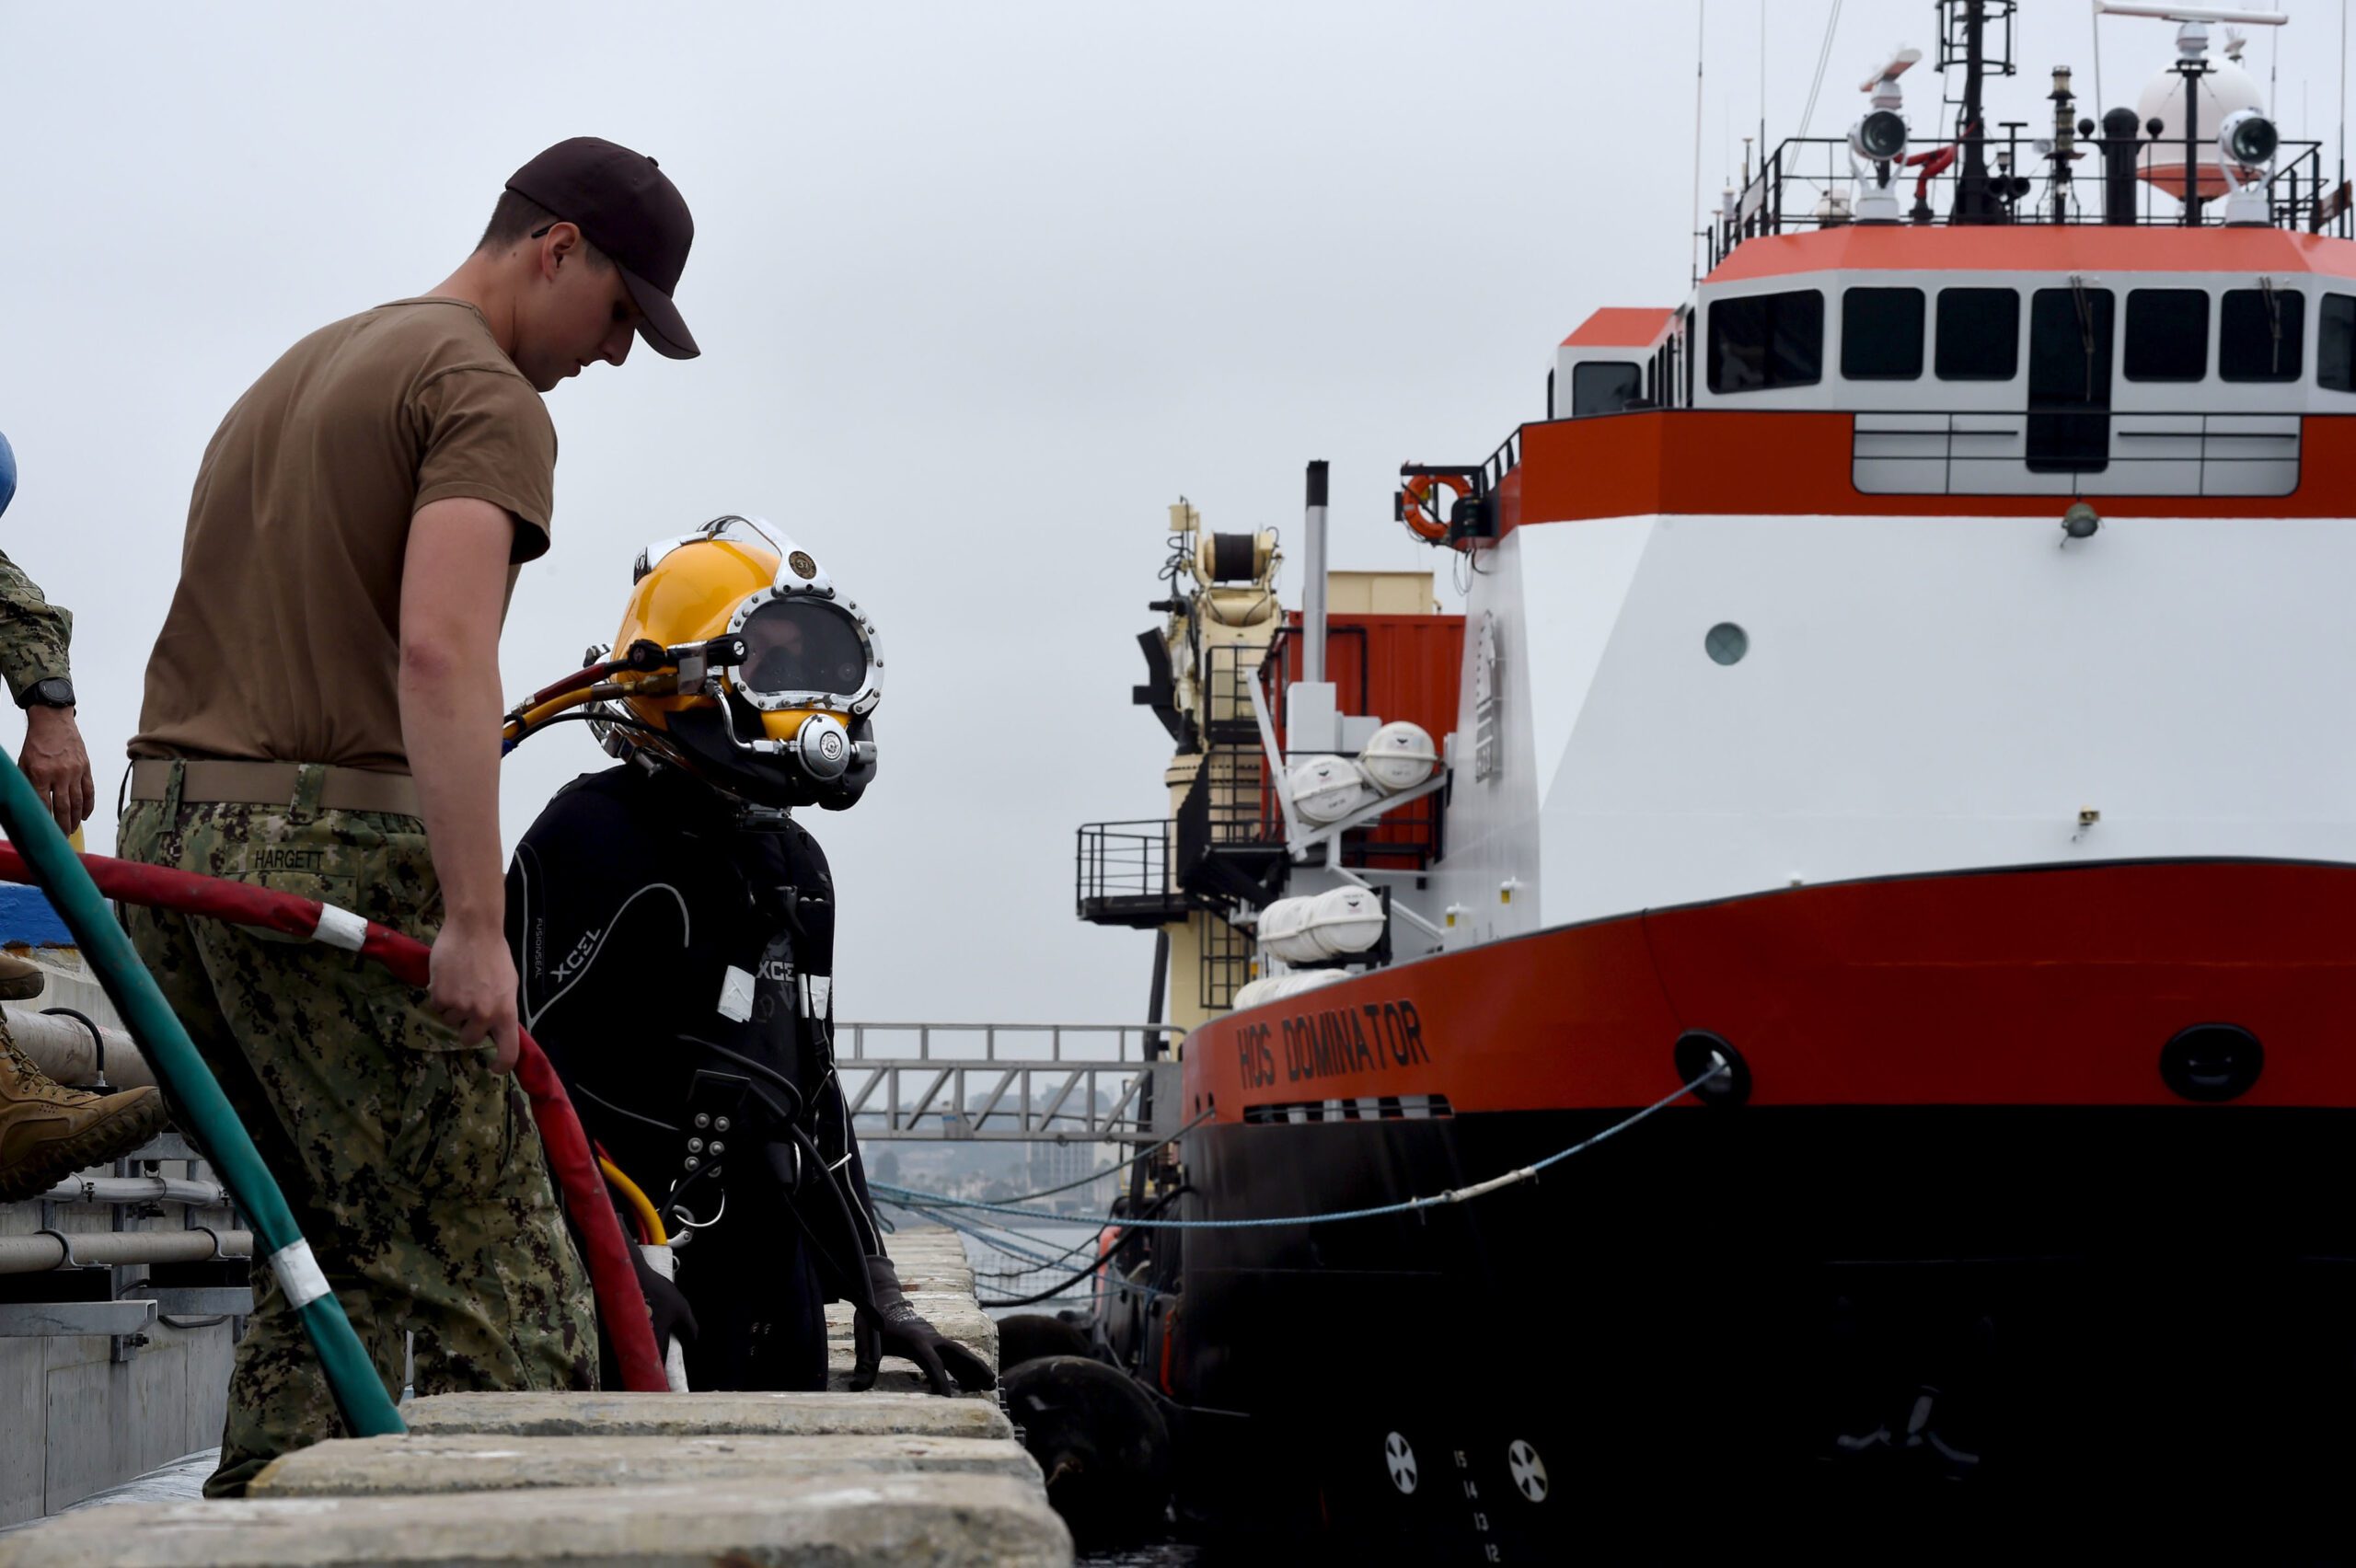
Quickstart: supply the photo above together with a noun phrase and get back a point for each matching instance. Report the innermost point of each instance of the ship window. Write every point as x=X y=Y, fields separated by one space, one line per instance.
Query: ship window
x=1979 y=334
x=1605 y=387
x=1767 y=341
x=2336 y=343
x=2258 y=335
x=2168 y=334
x=1881 y=334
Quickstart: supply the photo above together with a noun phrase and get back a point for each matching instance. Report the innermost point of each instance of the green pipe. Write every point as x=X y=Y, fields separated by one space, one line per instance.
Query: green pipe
x=359 y=1393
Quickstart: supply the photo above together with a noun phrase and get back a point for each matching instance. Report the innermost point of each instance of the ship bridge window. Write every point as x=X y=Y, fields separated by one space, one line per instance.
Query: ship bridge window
x=1762 y=341
x=2336 y=343
x=2168 y=334
x=1604 y=386
x=1979 y=334
x=1881 y=334
x=2258 y=335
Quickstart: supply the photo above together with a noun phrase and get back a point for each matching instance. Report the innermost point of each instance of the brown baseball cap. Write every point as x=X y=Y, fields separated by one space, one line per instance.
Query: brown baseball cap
x=626 y=206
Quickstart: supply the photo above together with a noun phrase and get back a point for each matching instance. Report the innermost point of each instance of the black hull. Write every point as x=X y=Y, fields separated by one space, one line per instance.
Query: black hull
x=1768 y=1302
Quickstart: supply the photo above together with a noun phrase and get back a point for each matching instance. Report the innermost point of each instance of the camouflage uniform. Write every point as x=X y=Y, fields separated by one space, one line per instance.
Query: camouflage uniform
x=414 y=1170
x=34 y=632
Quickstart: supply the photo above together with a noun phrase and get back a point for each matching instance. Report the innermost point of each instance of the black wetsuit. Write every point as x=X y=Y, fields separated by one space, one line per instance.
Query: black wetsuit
x=645 y=918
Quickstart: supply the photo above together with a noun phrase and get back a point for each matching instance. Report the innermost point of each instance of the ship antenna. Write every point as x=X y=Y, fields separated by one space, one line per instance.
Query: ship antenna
x=1823 y=54
x=1762 y=89
x=1700 y=33
x=2273 y=67
x=2096 y=11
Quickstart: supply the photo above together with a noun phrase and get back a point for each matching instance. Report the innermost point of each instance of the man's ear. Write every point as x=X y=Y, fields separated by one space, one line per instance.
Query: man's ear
x=561 y=243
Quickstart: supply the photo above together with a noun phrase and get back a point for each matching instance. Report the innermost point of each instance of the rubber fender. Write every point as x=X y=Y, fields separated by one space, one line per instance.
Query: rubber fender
x=1099 y=1442
x=1029 y=1336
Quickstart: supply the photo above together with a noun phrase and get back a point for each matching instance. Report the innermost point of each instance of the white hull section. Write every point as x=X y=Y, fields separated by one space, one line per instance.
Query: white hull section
x=1918 y=693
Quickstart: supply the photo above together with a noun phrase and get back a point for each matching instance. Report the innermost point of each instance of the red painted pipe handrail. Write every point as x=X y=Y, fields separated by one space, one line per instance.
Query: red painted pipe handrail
x=622 y=1303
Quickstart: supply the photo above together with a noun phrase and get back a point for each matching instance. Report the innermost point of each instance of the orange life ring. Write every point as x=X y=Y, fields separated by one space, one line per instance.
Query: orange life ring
x=1415 y=508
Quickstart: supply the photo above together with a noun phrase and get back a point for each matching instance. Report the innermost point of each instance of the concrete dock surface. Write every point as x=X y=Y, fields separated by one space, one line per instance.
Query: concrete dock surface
x=890 y=1478
x=377 y=1466
x=873 y=1414
x=855 y=1518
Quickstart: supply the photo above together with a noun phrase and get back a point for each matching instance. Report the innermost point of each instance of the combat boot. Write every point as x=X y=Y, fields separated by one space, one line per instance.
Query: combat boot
x=47 y=1132
x=20 y=978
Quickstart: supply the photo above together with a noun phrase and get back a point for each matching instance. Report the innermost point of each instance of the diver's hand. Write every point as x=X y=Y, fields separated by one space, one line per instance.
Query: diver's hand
x=57 y=765
x=899 y=1329
x=472 y=988
x=666 y=1304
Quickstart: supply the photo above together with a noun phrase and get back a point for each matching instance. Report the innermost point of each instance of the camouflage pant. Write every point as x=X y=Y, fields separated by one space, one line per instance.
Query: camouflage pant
x=414 y=1170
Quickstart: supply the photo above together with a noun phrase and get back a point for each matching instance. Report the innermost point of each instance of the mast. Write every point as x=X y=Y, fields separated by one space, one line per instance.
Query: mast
x=1974 y=202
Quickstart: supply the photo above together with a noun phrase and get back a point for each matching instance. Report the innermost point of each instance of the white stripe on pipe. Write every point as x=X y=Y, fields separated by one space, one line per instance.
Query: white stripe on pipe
x=299 y=1274
x=340 y=928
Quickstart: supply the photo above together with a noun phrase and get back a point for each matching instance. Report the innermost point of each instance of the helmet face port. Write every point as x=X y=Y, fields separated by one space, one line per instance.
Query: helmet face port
x=2211 y=1063
x=806 y=649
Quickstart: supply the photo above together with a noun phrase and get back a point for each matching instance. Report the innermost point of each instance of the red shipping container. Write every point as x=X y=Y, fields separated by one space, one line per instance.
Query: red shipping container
x=1394 y=667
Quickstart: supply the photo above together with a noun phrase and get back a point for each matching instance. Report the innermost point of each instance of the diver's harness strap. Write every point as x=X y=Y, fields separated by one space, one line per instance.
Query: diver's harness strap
x=275 y=784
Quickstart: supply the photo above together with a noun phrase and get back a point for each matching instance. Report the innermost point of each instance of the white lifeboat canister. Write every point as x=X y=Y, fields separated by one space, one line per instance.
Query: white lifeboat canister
x=1400 y=756
x=1252 y=993
x=1343 y=921
x=1327 y=789
x=1283 y=931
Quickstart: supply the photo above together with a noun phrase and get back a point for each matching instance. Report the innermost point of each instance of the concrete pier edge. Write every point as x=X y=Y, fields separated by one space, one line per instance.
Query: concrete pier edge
x=888 y=1478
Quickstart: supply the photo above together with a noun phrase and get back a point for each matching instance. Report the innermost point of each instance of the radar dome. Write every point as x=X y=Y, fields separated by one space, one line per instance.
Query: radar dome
x=2226 y=90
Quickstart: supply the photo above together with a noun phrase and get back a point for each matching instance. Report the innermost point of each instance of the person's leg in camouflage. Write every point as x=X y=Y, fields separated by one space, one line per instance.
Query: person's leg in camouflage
x=415 y=1170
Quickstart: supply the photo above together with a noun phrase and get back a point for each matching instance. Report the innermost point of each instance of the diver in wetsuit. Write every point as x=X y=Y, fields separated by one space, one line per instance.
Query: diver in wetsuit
x=673 y=933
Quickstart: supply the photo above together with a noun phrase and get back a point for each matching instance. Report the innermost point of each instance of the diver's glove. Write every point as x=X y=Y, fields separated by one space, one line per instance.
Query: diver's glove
x=905 y=1333
x=666 y=1303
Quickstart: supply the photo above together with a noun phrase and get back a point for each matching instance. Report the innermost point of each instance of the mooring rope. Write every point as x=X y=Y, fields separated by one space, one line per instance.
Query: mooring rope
x=909 y=1197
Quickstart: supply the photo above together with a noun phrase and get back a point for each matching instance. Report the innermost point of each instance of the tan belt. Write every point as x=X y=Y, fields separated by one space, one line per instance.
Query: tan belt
x=274 y=783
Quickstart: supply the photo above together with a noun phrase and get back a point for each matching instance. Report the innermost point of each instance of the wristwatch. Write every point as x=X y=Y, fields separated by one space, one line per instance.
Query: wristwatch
x=54 y=692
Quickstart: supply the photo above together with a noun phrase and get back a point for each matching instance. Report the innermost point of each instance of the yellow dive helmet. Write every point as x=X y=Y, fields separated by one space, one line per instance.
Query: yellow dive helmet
x=779 y=713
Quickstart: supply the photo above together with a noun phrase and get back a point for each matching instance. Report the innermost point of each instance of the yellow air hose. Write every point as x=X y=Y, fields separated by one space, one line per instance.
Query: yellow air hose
x=639 y=1202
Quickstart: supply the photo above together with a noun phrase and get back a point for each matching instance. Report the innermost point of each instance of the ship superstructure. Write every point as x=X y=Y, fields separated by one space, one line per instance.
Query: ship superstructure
x=1897 y=698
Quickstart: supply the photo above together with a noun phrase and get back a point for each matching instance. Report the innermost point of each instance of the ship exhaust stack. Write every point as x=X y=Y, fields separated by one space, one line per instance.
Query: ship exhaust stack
x=1312 y=588
x=2120 y=136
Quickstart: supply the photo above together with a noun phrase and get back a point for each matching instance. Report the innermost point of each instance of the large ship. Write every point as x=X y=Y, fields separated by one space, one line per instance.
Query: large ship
x=1898 y=718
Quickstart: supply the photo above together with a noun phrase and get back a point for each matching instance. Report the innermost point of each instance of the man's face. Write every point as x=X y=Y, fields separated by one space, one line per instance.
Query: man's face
x=575 y=311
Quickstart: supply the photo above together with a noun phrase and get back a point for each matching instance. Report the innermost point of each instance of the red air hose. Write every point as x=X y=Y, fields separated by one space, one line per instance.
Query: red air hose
x=620 y=1302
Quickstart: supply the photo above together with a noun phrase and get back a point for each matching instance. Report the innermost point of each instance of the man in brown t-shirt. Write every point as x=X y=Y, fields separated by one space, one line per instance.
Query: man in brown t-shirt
x=322 y=717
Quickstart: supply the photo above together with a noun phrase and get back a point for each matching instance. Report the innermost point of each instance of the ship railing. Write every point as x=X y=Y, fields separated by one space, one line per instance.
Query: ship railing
x=1122 y=873
x=1809 y=182
x=1005 y=1082
x=1503 y=461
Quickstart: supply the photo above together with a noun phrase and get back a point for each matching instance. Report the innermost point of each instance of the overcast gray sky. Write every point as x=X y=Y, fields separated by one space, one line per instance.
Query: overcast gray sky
x=981 y=289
